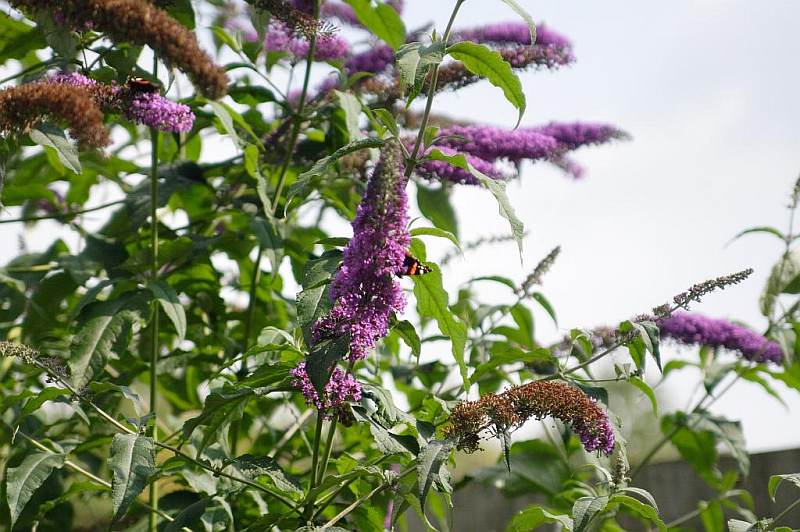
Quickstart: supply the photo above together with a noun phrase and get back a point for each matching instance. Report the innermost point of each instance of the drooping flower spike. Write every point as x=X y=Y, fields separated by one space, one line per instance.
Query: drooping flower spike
x=141 y=22
x=496 y=414
x=24 y=107
x=695 y=329
x=365 y=291
x=145 y=108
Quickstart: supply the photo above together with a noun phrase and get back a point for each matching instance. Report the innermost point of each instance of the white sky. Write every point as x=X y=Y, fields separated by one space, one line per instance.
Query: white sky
x=707 y=91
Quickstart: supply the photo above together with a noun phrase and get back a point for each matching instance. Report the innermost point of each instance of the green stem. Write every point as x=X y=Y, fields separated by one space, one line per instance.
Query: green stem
x=412 y=163
x=60 y=216
x=298 y=115
x=323 y=466
x=667 y=437
x=786 y=511
x=154 y=138
x=312 y=483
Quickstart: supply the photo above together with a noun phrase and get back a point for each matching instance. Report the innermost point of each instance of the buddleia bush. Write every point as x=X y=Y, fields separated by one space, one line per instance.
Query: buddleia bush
x=204 y=351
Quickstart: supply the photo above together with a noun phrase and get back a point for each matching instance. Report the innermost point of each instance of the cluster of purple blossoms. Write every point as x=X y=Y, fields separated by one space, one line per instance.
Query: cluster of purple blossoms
x=145 y=108
x=512 y=33
x=485 y=145
x=341 y=388
x=151 y=109
x=443 y=170
x=364 y=290
x=695 y=329
x=280 y=38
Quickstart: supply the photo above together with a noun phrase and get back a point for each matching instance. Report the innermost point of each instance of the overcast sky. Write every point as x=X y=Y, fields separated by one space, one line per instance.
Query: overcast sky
x=707 y=89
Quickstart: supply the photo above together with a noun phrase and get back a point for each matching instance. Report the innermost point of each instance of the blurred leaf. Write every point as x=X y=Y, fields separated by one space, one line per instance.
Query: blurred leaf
x=313 y=301
x=53 y=137
x=586 y=509
x=519 y=10
x=320 y=360
x=784 y=279
x=382 y=20
x=435 y=206
x=533 y=516
x=22 y=481
x=647 y=390
x=430 y=459
x=173 y=308
x=776 y=480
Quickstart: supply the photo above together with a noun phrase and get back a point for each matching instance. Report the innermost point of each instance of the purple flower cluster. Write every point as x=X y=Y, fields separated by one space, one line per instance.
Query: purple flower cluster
x=491 y=143
x=365 y=290
x=280 y=38
x=696 y=329
x=512 y=33
x=152 y=109
x=145 y=108
x=485 y=145
x=341 y=388
x=445 y=171
x=375 y=60
x=598 y=437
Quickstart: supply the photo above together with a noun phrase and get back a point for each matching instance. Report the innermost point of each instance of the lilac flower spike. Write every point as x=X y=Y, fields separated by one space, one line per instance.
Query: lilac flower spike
x=365 y=290
x=340 y=388
x=151 y=109
x=280 y=38
x=696 y=329
x=445 y=171
x=573 y=135
x=512 y=33
x=492 y=143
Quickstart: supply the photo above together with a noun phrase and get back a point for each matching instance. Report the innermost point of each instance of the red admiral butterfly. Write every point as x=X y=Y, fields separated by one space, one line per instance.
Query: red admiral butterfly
x=142 y=85
x=412 y=266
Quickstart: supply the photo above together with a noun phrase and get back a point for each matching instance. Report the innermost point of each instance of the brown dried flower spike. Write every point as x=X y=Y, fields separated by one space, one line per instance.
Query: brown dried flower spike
x=499 y=414
x=25 y=106
x=141 y=22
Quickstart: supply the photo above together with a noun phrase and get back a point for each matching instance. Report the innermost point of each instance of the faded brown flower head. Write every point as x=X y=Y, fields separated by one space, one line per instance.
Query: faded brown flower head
x=141 y=22
x=541 y=269
x=25 y=106
x=498 y=414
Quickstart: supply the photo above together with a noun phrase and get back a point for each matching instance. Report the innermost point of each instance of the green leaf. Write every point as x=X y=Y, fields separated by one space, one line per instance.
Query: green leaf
x=525 y=16
x=104 y=328
x=189 y=516
x=382 y=20
x=268 y=233
x=762 y=229
x=487 y=63
x=533 y=516
x=22 y=481
x=585 y=509
x=432 y=302
x=776 y=480
x=545 y=304
x=784 y=279
x=497 y=188
x=220 y=409
x=53 y=137
x=430 y=459
x=254 y=467
x=322 y=357
x=437 y=232
x=313 y=302
x=639 y=508
x=408 y=333
x=407 y=61
x=173 y=308
x=737 y=525
x=648 y=391
x=132 y=463
x=352 y=111
x=303 y=182
x=435 y=206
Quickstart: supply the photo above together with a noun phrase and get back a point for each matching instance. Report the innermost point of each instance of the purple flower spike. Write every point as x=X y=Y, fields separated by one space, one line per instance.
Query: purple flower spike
x=340 y=389
x=151 y=109
x=573 y=135
x=365 y=290
x=445 y=171
x=695 y=329
x=492 y=143
x=512 y=33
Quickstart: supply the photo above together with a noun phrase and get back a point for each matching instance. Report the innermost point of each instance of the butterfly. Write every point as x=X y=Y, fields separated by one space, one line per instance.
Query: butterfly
x=412 y=266
x=142 y=85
